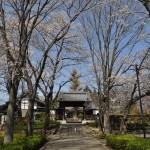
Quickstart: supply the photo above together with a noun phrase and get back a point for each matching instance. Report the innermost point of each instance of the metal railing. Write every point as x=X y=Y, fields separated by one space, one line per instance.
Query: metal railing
x=71 y=130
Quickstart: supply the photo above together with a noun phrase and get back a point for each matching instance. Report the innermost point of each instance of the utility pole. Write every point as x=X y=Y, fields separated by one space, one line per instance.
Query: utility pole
x=141 y=109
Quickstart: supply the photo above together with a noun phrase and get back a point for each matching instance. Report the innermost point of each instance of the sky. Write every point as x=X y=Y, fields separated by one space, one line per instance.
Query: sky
x=82 y=69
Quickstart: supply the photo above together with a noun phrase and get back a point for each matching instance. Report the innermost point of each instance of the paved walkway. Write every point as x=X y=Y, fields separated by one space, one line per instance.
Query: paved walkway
x=74 y=140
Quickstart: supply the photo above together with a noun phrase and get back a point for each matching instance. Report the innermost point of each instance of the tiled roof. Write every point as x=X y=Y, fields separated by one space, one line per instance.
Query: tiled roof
x=74 y=96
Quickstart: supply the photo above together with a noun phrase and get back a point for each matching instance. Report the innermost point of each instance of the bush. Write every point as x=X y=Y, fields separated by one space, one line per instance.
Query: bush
x=54 y=124
x=16 y=137
x=1 y=140
x=25 y=143
x=134 y=126
x=40 y=117
x=20 y=124
x=127 y=142
x=118 y=142
x=38 y=125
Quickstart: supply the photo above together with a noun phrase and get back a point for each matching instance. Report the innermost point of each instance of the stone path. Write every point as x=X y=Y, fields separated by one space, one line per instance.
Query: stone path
x=75 y=140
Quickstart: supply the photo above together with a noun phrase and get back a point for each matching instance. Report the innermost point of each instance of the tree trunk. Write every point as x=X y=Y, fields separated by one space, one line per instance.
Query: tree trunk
x=107 y=117
x=47 y=115
x=123 y=127
x=9 y=125
x=100 y=121
x=30 y=117
x=106 y=122
x=19 y=109
x=123 y=122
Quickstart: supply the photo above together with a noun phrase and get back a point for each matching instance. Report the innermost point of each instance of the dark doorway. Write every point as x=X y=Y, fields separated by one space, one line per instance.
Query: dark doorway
x=74 y=114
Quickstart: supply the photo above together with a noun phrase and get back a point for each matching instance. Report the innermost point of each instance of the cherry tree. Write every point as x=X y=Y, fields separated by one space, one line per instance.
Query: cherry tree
x=128 y=93
x=111 y=29
x=25 y=17
x=64 y=54
x=51 y=31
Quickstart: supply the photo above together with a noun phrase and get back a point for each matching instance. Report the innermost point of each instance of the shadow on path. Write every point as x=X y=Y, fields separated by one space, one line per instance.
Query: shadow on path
x=74 y=137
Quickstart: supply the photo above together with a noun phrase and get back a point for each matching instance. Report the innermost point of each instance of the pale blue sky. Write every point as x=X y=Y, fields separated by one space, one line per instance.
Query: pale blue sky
x=82 y=69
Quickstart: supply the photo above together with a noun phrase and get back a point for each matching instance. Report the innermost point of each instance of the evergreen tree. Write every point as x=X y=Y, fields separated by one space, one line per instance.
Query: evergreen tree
x=75 y=83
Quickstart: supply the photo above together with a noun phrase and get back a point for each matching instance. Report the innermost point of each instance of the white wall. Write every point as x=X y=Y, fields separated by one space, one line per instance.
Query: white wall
x=3 y=119
x=95 y=112
x=24 y=104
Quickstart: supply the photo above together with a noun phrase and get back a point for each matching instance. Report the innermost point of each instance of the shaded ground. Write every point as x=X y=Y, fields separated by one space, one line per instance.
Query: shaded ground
x=74 y=138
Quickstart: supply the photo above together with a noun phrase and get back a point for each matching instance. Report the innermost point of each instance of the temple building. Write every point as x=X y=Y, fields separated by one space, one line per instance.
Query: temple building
x=75 y=107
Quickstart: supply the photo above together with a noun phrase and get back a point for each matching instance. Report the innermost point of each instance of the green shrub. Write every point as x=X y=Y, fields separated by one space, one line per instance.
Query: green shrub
x=20 y=124
x=16 y=137
x=119 y=142
x=40 y=117
x=38 y=125
x=19 y=127
x=54 y=124
x=134 y=126
x=138 y=144
x=25 y=143
x=1 y=140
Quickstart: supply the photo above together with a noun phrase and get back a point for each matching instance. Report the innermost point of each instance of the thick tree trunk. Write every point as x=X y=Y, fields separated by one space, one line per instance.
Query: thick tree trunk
x=123 y=127
x=123 y=122
x=100 y=123
x=107 y=129
x=106 y=122
x=9 y=125
x=30 y=117
x=106 y=105
x=19 y=108
x=47 y=115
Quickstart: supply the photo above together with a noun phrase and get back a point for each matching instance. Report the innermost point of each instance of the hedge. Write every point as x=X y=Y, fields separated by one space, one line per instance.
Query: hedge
x=37 y=125
x=16 y=137
x=1 y=140
x=124 y=142
x=54 y=124
x=26 y=143
x=133 y=122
